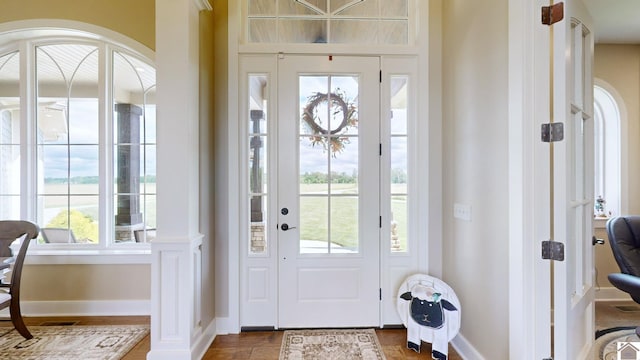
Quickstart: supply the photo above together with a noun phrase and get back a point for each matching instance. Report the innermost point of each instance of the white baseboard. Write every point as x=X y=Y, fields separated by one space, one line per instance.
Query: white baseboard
x=465 y=349
x=87 y=308
x=204 y=340
x=223 y=326
x=611 y=294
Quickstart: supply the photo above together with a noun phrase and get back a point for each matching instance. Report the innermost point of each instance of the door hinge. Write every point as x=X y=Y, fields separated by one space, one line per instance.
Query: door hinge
x=380 y=224
x=552 y=132
x=552 y=14
x=380 y=149
x=380 y=76
x=552 y=250
x=380 y=291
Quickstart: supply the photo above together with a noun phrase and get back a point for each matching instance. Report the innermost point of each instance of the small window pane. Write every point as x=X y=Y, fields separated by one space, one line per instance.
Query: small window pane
x=344 y=168
x=394 y=32
x=9 y=169
x=399 y=100
x=262 y=31
x=399 y=155
x=344 y=224
x=313 y=168
x=84 y=217
x=83 y=121
x=83 y=169
x=368 y=8
x=258 y=164
x=398 y=223
x=10 y=206
x=303 y=31
x=54 y=162
x=354 y=31
x=394 y=8
x=262 y=7
x=314 y=224
x=303 y=7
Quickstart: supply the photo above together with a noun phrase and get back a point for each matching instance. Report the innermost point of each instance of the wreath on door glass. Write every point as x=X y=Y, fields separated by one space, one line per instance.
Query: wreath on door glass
x=337 y=104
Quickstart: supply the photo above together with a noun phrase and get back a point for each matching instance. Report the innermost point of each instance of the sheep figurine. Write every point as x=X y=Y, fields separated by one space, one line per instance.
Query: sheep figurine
x=431 y=312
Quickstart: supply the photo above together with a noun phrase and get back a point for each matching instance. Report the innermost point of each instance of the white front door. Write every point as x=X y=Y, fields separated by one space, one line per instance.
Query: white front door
x=328 y=219
x=573 y=184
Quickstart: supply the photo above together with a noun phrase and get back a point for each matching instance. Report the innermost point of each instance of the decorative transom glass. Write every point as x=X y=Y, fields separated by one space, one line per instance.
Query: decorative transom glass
x=371 y=22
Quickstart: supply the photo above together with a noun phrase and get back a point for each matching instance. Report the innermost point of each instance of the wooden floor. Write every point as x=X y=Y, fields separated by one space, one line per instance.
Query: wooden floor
x=266 y=345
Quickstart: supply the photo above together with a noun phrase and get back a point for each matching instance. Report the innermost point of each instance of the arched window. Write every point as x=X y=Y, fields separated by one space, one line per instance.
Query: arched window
x=77 y=138
x=607 y=157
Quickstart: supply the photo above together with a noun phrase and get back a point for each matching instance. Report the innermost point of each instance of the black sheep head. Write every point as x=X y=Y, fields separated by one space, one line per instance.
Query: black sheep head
x=427 y=307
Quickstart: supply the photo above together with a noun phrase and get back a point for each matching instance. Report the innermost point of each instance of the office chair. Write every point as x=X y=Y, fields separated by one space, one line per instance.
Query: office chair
x=624 y=238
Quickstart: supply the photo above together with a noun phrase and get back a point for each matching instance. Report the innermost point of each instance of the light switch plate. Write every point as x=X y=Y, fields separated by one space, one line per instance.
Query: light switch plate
x=462 y=212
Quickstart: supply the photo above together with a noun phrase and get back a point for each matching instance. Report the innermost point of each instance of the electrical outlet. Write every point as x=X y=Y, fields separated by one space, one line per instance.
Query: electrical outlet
x=462 y=212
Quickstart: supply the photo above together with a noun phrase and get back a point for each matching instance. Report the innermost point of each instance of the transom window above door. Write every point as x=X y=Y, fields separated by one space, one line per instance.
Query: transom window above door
x=371 y=22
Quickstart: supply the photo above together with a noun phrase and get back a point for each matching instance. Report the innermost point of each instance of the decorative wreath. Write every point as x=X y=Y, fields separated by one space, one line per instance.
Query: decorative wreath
x=324 y=136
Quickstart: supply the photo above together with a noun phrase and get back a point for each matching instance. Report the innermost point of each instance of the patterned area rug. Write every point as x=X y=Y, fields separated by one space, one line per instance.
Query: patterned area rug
x=606 y=346
x=359 y=344
x=71 y=342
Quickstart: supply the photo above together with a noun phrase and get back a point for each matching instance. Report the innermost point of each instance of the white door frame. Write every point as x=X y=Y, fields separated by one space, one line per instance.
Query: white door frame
x=427 y=51
x=529 y=275
x=529 y=291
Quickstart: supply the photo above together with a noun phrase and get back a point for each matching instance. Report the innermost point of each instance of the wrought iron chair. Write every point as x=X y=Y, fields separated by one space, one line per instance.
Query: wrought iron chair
x=10 y=230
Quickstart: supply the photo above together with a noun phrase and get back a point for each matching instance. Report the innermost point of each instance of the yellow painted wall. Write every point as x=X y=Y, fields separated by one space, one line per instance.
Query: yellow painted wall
x=132 y=18
x=86 y=282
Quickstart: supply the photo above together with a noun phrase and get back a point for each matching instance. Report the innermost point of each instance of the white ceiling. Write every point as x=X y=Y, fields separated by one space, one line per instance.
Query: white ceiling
x=615 y=21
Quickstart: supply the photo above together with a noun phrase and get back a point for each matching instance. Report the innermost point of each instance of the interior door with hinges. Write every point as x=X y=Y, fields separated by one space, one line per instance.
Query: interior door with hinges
x=328 y=191
x=573 y=278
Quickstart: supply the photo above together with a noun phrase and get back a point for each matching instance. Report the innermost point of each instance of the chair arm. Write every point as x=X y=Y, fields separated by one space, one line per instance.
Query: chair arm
x=627 y=283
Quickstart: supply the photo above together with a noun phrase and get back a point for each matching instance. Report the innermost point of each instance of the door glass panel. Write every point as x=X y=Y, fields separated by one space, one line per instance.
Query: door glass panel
x=344 y=169
x=399 y=160
x=258 y=171
x=314 y=224
x=344 y=224
x=313 y=167
x=328 y=163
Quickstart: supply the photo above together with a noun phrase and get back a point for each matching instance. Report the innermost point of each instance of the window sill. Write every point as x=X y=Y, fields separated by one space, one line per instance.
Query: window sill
x=88 y=257
x=600 y=222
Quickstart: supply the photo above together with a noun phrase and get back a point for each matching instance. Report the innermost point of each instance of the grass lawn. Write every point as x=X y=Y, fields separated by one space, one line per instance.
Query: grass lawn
x=341 y=226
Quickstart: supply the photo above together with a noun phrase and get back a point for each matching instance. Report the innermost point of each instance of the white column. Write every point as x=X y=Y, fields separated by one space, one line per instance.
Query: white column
x=176 y=331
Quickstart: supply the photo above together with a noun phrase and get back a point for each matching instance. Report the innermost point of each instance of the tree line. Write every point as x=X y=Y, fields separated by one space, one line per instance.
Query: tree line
x=398 y=176
x=76 y=180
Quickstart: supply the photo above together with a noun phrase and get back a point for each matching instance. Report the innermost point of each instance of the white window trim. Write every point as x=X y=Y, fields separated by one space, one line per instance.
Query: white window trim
x=24 y=36
x=621 y=151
